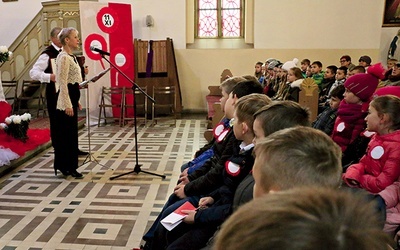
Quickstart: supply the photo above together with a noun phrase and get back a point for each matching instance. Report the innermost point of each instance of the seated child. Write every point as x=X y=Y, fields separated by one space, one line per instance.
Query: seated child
x=207 y=177
x=214 y=148
x=294 y=79
x=267 y=120
x=200 y=225
x=273 y=80
x=353 y=108
x=308 y=72
x=340 y=77
x=277 y=117
x=326 y=120
x=304 y=64
x=356 y=70
x=391 y=196
x=365 y=61
x=317 y=73
x=296 y=157
x=283 y=84
x=390 y=64
x=380 y=166
x=258 y=72
x=326 y=83
x=304 y=219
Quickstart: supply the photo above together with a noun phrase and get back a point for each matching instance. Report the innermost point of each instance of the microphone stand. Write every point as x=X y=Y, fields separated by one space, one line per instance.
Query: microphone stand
x=84 y=84
x=137 y=168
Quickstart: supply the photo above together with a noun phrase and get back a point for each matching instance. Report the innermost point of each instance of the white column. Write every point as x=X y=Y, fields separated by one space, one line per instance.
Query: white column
x=2 y=97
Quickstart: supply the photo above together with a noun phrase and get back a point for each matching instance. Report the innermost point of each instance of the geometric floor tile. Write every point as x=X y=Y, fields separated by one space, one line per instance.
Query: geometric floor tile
x=100 y=231
x=39 y=210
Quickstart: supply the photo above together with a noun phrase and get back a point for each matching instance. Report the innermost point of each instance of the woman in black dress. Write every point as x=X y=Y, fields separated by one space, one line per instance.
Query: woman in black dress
x=68 y=77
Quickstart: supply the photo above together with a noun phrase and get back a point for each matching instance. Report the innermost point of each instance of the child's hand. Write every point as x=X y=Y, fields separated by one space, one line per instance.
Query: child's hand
x=184 y=180
x=184 y=172
x=189 y=219
x=205 y=201
x=180 y=191
x=353 y=182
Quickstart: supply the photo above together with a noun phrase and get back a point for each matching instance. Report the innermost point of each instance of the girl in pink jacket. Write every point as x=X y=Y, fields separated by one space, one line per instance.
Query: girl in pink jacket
x=380 y=166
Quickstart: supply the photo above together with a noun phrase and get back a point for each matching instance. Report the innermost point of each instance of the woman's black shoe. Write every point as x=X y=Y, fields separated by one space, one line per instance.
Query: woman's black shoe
x=80 y=152
x=76 y=174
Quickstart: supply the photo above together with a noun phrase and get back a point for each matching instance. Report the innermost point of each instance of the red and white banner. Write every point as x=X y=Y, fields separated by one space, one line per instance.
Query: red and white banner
x=107 y=27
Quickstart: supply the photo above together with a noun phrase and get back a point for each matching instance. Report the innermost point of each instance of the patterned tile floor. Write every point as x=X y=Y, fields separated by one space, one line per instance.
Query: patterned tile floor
x=41 y=211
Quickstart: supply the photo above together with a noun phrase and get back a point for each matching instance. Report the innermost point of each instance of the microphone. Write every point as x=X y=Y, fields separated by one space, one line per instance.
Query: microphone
x=101 y=52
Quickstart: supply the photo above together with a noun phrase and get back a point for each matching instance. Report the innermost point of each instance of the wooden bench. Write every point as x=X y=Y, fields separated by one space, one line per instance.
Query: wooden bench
x=213 y=97
x=308 y=97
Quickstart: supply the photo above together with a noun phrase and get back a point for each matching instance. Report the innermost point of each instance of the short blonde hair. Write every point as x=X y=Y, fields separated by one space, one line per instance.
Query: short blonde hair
x=298 y=156
x=304 y=219
x=64 y=33
x=247 y=105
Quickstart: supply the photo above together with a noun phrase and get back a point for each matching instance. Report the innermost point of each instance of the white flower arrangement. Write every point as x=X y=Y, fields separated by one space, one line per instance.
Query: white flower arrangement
x=5 y=54
x=17 y=126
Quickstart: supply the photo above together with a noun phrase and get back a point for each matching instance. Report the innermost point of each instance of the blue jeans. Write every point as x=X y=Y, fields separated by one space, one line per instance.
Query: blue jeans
x=198 y=161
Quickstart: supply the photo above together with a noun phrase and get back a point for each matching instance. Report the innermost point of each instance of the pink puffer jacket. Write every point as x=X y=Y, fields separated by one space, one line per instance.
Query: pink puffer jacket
x=379 y=167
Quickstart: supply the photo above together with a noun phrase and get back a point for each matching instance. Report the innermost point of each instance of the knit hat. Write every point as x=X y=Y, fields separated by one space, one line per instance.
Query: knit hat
x=366 y=59
x=363 y=85
x=290 y=64
x=388 y=90
x=269 y=60
x=273 y=64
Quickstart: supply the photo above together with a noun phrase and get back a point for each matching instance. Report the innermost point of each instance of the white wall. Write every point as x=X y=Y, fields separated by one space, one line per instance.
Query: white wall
x=169 y=19
x=318 y=24
x=19 y=14
x=319 y=29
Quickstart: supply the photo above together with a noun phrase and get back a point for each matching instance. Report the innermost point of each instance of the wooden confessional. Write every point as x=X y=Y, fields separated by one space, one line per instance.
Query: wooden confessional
x=155 y=66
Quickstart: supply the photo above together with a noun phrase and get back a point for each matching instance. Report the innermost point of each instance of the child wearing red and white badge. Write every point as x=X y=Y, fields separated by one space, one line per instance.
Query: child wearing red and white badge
x=380 y=166
x=353 y=108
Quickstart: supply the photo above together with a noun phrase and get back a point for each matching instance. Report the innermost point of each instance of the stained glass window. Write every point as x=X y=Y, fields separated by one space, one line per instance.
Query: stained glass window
x=219 y=18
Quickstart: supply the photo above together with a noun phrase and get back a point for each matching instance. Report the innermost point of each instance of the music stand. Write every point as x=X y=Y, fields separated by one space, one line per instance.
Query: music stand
x=137 y=168
x=90 y=158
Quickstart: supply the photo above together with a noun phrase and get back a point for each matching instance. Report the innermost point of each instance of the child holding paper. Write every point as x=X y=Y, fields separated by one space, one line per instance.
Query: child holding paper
x=200 y=225
x=206 y=178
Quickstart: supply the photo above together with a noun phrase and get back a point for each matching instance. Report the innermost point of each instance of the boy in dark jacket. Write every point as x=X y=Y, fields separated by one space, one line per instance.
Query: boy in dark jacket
x=208 y=177
x=326 y=119
x=200 y=225
x=215 y=147
x=327 y=82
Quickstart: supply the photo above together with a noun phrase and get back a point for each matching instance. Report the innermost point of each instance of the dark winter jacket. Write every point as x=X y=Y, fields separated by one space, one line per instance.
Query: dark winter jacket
x=236 y=169
x=209 y=176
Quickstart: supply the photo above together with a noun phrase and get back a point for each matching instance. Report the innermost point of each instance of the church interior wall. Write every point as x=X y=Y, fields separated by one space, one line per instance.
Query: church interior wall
x=319 y=30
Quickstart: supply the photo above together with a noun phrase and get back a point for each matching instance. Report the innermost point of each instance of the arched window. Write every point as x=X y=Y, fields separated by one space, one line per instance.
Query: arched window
x=219 y=18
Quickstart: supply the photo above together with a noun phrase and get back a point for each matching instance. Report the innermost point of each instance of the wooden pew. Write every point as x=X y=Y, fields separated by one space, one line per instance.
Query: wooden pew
x=308 y=97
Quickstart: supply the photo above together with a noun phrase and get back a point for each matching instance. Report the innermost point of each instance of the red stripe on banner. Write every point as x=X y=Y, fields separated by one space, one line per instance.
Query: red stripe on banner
x=122 y=52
